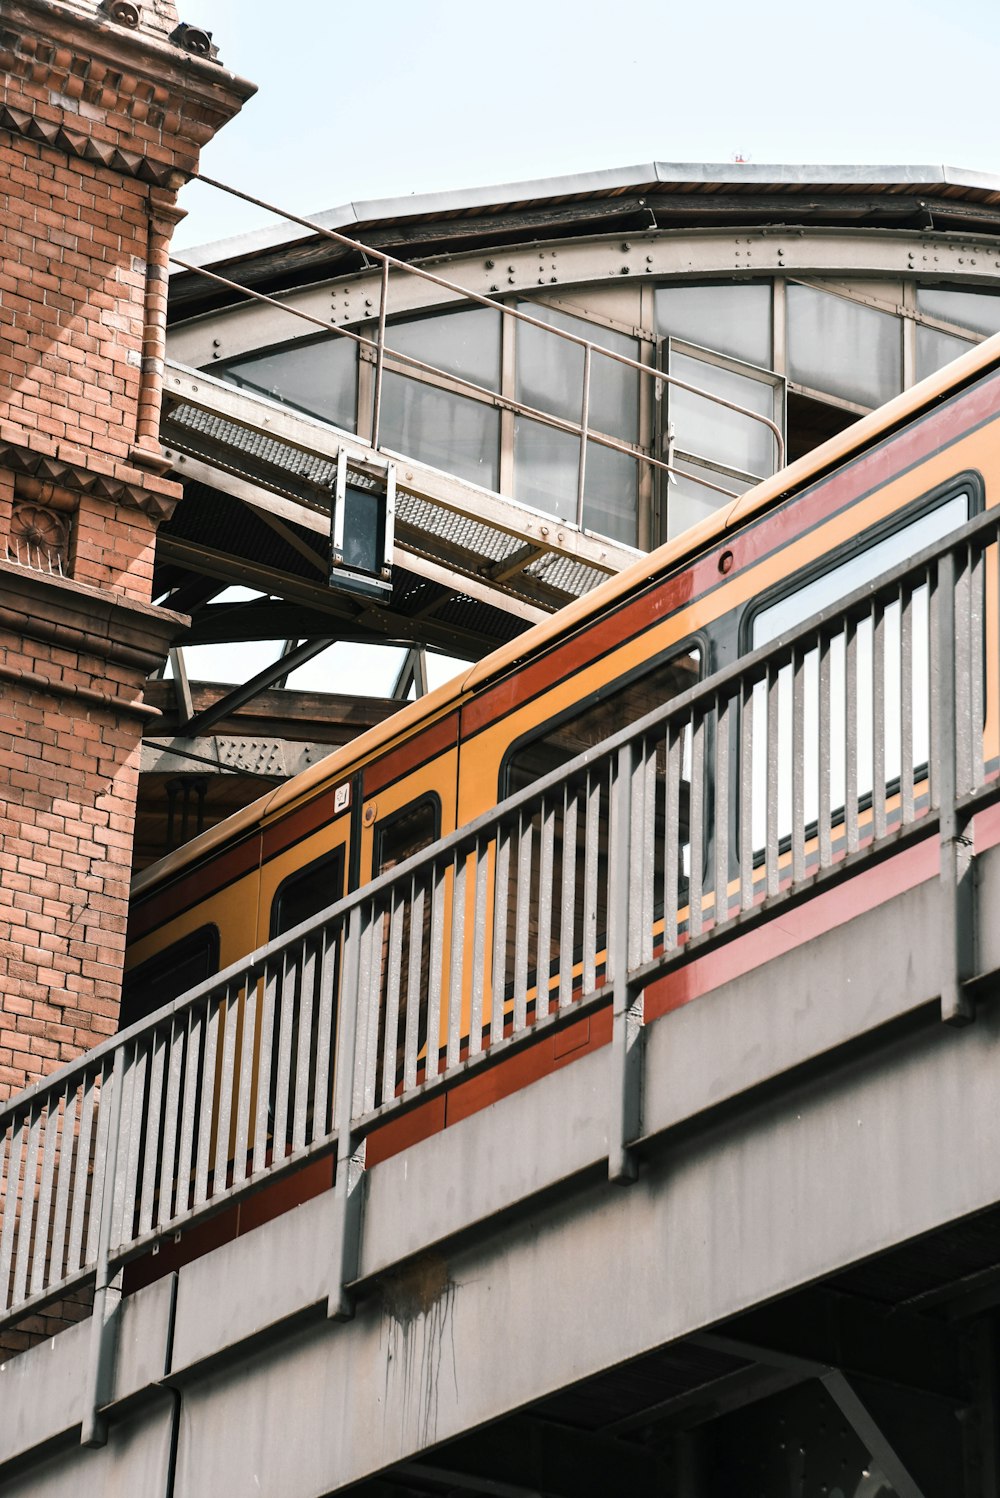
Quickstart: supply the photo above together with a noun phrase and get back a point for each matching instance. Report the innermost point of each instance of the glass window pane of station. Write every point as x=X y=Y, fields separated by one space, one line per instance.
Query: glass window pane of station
x=546 y=476
x=465 y=343
x=447 y=431
x=935 y=349
x=702 y=427
x=843 y=348
x=979 y=310
x=319 y=377
x=609 y=496
x=734 y=319
x=546 y=468
x=689 y=500
x=550 y=373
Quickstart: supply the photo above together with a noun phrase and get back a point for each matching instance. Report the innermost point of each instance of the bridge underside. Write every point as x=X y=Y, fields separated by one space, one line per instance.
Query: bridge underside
x=796 y=1295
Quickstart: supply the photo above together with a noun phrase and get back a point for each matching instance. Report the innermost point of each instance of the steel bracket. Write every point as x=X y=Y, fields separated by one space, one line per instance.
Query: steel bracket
x=956 y=753
x=627 y=1034
x=348 y=1217
x=349 y=1184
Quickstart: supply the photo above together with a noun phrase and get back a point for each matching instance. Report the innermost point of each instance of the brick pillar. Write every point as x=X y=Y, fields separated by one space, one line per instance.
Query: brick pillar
x=103 y=112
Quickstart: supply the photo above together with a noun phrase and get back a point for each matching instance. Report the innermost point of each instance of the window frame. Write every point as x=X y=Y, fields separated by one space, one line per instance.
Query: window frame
x=226 y=370
x=208 y=934
x=313 y=867
x=694 y=642
x=385 y=824
x=969 y=479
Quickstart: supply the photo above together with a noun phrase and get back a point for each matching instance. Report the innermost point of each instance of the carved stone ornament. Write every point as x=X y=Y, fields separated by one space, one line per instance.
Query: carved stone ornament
x=39 y=538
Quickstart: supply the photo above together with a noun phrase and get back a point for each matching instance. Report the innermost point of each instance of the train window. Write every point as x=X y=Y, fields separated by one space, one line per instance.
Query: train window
x=568 y=736
x=407 y=831
x=865 y=565
x=308 y=891
x=161 y=979
x=561 y=740
x=398 y=837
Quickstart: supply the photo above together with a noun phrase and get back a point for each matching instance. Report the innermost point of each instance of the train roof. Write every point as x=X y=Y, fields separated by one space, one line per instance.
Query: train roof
x=797 y=475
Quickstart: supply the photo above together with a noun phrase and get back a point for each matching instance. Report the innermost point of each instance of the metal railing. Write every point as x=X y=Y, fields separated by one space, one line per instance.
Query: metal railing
x=809 y=757
x=379 y=350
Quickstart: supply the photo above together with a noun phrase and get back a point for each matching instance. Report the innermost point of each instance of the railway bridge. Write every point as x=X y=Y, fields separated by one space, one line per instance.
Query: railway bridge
x=697 y=1193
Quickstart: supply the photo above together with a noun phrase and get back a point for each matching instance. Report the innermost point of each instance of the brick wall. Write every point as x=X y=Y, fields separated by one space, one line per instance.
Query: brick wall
x=100 y=123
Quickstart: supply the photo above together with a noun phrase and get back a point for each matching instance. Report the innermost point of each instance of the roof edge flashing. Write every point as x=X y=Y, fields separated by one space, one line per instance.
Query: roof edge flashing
x=418 y=205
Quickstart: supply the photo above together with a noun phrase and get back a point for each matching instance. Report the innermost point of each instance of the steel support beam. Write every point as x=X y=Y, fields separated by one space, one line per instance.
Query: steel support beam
x=366 y=621
x=916 y=1444
x=248 y=690
x=682 y=254
x=525 y=1455
x=275 y=510
x=816 y=1330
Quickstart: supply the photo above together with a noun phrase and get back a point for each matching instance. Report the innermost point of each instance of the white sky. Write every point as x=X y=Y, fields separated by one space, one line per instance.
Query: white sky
x=383 y=99
x=392 y=97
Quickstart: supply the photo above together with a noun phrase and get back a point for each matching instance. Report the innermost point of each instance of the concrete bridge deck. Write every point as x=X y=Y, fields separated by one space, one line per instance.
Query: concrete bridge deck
x=728 y=1220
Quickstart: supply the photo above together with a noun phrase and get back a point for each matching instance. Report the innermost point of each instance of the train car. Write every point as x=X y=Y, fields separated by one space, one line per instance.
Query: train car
x=874 y=495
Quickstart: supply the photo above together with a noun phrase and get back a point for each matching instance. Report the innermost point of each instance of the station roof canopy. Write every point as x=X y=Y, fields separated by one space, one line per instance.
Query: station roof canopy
x=651 y=195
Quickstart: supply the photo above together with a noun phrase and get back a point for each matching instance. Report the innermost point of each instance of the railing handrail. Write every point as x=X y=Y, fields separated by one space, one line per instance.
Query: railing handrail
x=577 y=890
x=381 y=349
x=774 y=652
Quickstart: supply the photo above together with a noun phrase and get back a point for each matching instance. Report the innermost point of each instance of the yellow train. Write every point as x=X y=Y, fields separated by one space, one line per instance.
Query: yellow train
x=874 y=495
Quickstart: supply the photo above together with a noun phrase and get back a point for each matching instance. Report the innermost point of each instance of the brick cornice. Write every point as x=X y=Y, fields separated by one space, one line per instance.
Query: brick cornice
x=89 y=621
x=114 y=482
x=123 y=99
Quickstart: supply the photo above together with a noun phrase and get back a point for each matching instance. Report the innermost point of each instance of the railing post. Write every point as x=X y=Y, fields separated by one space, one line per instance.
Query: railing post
x=104 y=1320
x=350 y=1156
x=624 y=1125
x=958 y=934
x=581 y=473
x=380 y=355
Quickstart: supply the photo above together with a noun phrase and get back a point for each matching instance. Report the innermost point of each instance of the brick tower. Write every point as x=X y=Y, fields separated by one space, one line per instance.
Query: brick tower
x=103 y=111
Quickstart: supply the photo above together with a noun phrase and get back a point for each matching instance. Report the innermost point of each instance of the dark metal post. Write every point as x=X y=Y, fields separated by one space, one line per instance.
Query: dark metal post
x=380 y=355
x=581 y=480
x=957 y=944
x=350 y=1160
x=104 y=1327
x=627 y=1012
